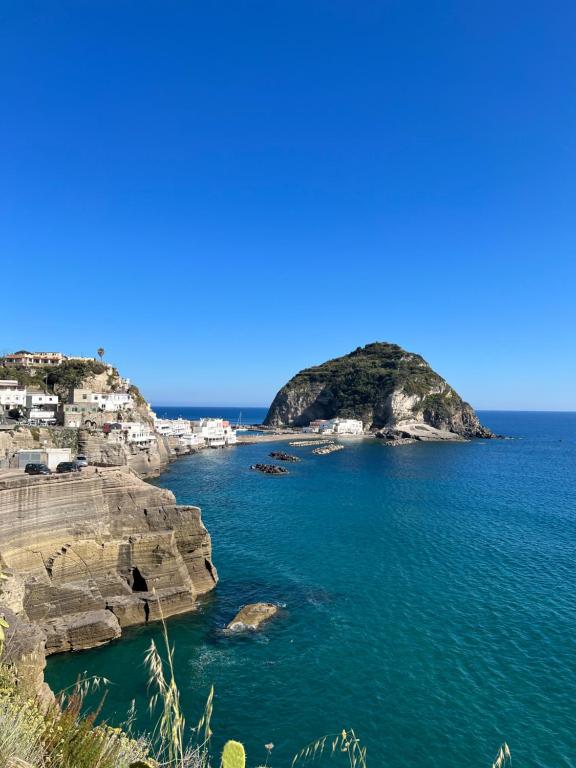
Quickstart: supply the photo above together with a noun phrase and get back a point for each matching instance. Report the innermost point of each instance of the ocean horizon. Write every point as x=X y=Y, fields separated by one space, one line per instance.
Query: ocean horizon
x=256 y=414
x=234 y=414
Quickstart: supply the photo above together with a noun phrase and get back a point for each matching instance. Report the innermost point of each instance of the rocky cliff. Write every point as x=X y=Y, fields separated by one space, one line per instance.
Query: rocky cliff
x=381 y=384
x=147 y=461
x=90 y=553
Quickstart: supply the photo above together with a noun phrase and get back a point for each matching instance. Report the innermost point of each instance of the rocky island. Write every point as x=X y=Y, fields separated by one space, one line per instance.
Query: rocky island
x=387 y=388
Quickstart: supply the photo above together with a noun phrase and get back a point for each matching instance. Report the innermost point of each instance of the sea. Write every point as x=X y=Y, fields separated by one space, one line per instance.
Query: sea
x=428 y=597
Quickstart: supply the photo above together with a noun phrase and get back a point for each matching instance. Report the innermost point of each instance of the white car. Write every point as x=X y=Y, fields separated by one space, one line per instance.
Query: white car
x=81 y=461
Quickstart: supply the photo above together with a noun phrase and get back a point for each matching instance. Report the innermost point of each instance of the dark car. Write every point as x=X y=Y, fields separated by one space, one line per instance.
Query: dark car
x=67 y=466
x=37 y=469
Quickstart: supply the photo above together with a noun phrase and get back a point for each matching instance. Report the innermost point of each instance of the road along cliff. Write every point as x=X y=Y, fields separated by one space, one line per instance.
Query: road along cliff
x=89 y=553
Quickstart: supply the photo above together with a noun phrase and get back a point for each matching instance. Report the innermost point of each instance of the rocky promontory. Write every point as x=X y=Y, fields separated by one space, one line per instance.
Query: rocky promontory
x=382 y=385
x=87 y=554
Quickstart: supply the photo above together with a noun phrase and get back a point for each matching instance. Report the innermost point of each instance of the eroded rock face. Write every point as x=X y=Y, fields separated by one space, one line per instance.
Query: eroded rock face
x=381 y=384
x=252 y=616
x=24 y=653
x=102 y=450
x=92 y=552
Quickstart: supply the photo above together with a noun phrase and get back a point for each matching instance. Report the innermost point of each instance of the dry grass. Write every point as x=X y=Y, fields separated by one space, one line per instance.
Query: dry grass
x=345 y=742
x=168 y=737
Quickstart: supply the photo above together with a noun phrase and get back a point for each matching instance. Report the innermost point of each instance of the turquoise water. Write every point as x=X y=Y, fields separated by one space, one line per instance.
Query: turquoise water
x=429 y=593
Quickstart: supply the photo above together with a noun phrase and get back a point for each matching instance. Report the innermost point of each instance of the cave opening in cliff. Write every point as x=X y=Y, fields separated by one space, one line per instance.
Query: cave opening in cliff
x=138 y=581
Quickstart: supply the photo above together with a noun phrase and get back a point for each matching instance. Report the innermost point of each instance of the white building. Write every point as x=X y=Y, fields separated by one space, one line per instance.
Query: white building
x=50 y=456
x=105 y=401
x=41 y=400
x=136 y=432
x=12 y=394
x=343 y=427
x=315 y=426
x=192 y=440
x=34 y=359
x=172 y=427
x=78 y=359
x=348 y=427
x=39 y=417
x=216 y=433
x=336 y=427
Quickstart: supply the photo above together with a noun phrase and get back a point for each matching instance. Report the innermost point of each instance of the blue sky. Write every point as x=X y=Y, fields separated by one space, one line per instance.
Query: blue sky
x=223 y=193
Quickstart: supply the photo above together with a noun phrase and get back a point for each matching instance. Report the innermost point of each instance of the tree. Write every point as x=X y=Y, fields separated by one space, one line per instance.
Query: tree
x=100 y=352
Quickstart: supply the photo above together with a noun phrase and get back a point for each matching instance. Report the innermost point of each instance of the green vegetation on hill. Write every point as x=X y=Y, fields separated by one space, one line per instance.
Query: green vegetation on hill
x=71 y=374
x=376 y=369
x=381 y=384
x=57 y=378
x=357 y=384
x=380 y=364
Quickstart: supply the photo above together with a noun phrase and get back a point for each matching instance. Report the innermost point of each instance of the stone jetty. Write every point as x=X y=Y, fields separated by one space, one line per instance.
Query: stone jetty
x=330 y=448
x=303 y=443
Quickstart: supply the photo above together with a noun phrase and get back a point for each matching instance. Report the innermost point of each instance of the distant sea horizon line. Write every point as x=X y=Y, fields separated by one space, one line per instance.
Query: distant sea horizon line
x=266 y=407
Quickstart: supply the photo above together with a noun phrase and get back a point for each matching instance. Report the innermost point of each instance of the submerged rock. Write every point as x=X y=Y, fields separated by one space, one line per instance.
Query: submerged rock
x=281 y=456
x=269 y=469
x=252 y=616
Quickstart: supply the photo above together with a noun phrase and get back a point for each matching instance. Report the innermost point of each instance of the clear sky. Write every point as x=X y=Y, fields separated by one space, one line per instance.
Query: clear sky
x=221 y=194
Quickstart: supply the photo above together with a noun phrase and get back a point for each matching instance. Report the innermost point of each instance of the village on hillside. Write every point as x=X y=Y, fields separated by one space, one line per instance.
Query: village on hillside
x=64 y=392
x=104 y=403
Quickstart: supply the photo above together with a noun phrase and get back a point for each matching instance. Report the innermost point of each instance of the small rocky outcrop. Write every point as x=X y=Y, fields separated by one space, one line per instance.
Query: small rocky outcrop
x=381 y=384
x=416 y=432
x=281 y=456
x=252 y=616
x=269 y=469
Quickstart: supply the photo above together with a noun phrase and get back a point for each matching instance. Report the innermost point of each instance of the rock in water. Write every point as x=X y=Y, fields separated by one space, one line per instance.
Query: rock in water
x=252 y=616
x=381 y=384
x=281 y=456
x=269 y=469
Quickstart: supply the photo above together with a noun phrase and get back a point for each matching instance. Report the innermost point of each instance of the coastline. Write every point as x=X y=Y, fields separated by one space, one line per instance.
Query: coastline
x=80 y=556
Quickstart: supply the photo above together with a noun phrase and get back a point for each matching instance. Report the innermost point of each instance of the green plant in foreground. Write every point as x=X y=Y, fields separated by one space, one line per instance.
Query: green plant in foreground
x=233 y=755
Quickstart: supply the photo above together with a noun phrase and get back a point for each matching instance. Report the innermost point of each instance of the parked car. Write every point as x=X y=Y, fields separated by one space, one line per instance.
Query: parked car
x=37 y=469
x=81 y=461
x=67 y=466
